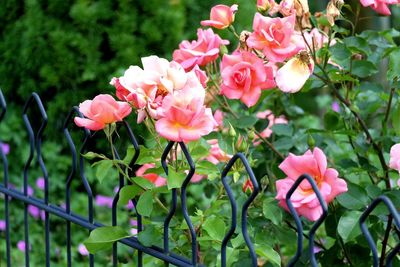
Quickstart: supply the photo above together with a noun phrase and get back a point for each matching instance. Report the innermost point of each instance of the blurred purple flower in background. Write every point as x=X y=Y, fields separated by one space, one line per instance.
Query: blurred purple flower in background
x=104 y=201
x=2 y=225
x=335 y=106
x=40 y=183
x=82 y=250
x=5 y=148
x=36 y=212
x=22 y=246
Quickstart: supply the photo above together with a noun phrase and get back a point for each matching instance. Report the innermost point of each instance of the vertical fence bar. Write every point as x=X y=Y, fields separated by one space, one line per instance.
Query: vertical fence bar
x=3 y=106
x=174 y=195
x=245 y=207
x=367 y=234
x=299 y=225
x=74 y=167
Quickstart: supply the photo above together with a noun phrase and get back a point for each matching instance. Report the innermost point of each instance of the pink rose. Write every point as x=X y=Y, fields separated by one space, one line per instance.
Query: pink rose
x=380 y=6
x=316 y=39
x=199 y=52
x=201 y=75
x=217 y=155
x=151 y=177
x=276 y=37
x=244 y=75
x=394 y=162
x=100 y=111
x=293 y=75
x=272 y=120
x=184 y=115
x=304 y=199
x=219 y=118
x=221 y=16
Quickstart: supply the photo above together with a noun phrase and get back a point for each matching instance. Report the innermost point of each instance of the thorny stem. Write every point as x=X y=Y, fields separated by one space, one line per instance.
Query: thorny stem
x=325 y=78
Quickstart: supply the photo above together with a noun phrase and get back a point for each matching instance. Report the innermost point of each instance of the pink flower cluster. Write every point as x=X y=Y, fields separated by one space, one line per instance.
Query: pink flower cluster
x=304 y=199
x=380 y=6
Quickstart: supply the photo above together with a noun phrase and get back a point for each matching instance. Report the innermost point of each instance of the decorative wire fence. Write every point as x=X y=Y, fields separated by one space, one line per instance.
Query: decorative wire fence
x=164 y=254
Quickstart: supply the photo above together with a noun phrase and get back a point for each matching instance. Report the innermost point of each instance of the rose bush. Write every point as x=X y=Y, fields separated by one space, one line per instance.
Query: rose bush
x=298 y=94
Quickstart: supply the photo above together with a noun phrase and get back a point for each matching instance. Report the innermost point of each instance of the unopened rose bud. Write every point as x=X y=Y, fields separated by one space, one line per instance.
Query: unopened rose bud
x=248 y=187
x=231 y=131
x=265 y=5
x=251 y=135
x=241 y=144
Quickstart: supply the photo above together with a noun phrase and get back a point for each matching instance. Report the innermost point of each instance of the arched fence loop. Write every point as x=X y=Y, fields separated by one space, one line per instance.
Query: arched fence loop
x=371 y=242
x=297 y=220
x=250 y=199
x=76 y=174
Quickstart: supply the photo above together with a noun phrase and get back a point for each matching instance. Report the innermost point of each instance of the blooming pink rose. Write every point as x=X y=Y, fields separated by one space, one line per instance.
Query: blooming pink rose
x=199 y=52
x=304 y=199
x=184 y=116
x=394 y=162
x=380 y=6
x=221 y=16
x=276 y=37
x=152 y=177
x=272 y=120
x=244 y=75
x=102 y=110
x=293 y=75
x=217 y=155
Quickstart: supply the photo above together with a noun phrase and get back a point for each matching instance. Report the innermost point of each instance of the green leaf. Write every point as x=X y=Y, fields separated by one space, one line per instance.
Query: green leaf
x=357 y=45
x=175 y=179
x=130 y=152
x=146 y=156
x=396 y=119
x=355 y=198
x=144 y=205
x=394 y=64
x=205 y=167
x=340 y=54
x=215 y=228
x=143 y=182
x=363 y=68
x=244 y=121
x=268 y=253
x=331 y=120
x=272 y=212
x=103 y=169
x=102 y=238
x=128 y=192
x=149 y=236
x=282 y=129
x=348 y=227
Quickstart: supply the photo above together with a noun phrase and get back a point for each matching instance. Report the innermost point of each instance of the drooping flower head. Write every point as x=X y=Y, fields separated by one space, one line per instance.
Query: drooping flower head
x=275 y=37
x=100 y=111
x=201 y=51
x=221 y=16
x=293 y=75
x=244 y=75
x=304 y=199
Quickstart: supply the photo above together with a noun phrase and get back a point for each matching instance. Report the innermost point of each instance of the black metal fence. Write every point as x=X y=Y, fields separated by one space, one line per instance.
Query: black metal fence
x=164 y=254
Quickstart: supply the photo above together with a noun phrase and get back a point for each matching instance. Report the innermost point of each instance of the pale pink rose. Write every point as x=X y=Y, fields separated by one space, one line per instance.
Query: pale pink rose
x=184 y=116
x=100 y=111
x=276 y=37
x=199 y=52
x=201 y=75
x=219 y=118
x=244 y=75
x=272 y=120
x=293 y=75
x=394 y=162
x=83 y=250
x=152 y=177
x=316 y=39
x=304 y=199
x=380 y=6
x=286 y=7
x=217 y=155
x=221 y=16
